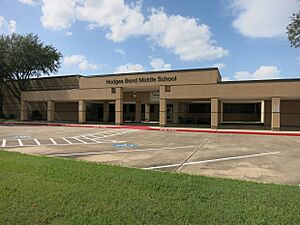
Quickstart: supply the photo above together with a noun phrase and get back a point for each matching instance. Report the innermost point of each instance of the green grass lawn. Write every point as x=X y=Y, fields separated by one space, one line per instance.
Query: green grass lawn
x=40 y=190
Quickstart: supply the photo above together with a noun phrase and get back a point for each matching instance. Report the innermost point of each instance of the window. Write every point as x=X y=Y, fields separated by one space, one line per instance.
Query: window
x=168 y=89
x=113 y=90
x=199 y=108
x=241 y=108
x=129 y=108
x=152 y=108
x=143 y=108
x=132 y=108
x=111 y=107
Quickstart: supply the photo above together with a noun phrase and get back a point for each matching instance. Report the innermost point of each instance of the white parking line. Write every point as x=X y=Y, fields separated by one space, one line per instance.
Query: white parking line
x=3 y=143
x=66 y=140
x=54 y=142
x=37 y=141
x=125 y=132
x=94 y=138
x=80 y=140
x=20 y=142
x=105 y=134
x=214 y=160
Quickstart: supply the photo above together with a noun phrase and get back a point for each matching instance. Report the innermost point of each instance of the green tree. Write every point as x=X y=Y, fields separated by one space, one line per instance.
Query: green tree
x=293 y=30
x=23 y=57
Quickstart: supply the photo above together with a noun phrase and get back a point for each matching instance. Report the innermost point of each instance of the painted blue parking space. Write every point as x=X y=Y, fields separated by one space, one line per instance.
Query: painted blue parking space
x=124 y=145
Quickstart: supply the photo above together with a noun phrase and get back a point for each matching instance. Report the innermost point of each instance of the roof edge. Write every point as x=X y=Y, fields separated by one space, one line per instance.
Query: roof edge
x=260 y=81
x=151 y=72
x=55 y=76
x=128 y=73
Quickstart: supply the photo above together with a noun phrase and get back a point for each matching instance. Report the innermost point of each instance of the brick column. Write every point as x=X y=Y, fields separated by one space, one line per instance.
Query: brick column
x=147 y=111
x=214 y=122
x=162 y=107
x=105 y=111
x=119 y=106
x=82 y=111
x=275 y=114
x=262 y=111
x=175 y=112
x=50 y=111
x=24 y=111
x=138 y=111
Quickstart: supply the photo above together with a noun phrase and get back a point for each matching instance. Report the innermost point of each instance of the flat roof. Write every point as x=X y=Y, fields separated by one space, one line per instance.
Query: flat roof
x=151 y=72
x=169 y=71
x=260 y=81
x=128 y=73
x=55 y=76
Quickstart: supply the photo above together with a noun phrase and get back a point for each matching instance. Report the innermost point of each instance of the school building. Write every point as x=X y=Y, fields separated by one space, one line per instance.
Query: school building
x=196 y=97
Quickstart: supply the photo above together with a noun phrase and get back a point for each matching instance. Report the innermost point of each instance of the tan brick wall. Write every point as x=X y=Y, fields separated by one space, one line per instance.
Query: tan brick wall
x=290 y=113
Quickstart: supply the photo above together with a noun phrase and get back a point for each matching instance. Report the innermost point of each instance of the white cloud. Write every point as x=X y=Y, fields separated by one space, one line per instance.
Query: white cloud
x=7 y=27
x=81 y=61
x=263 y=18
x=263 y=72
x=12 y=26
x=130 y=68
x=68 y=33
x=220 y=65
x=243 y=75
x=226 y=79
x=120 y=51
x=183 y=36
x=159 y=64
x=92 y=26
x=58 y=14
x=28 y=2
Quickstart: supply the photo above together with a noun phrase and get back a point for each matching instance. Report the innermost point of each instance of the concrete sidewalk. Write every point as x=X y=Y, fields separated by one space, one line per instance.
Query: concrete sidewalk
x=156 y=128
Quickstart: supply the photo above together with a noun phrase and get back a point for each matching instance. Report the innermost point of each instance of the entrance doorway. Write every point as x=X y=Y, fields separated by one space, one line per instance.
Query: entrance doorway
x=169 y=112
x=129 y=112
x=94 y=112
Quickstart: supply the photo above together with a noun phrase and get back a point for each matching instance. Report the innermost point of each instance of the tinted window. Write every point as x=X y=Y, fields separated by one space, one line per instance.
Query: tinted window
x=241 y=107
x=199 y=108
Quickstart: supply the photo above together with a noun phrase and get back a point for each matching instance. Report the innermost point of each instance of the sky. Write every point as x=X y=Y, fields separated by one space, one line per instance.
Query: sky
x=245 y=39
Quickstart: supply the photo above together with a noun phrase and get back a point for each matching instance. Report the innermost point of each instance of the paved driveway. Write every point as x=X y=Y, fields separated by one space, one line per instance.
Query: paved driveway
x=251 y=157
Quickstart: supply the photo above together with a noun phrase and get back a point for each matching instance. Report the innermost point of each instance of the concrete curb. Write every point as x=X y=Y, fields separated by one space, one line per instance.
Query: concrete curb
x=167 y=129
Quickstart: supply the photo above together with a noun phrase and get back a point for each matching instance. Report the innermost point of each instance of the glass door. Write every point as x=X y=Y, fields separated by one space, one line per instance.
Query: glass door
x=169 y=112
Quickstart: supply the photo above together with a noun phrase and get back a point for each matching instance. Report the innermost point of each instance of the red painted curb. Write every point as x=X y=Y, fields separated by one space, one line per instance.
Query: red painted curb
x=167 y=129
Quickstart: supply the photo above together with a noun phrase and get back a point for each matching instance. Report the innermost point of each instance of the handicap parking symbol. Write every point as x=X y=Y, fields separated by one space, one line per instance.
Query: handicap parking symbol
x=124 y=145
x=23 y=137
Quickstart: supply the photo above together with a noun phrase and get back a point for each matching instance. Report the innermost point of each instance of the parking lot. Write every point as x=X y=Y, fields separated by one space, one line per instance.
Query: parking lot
x=261 y=158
